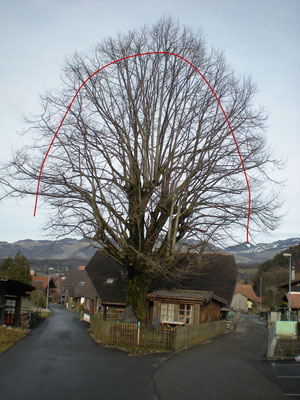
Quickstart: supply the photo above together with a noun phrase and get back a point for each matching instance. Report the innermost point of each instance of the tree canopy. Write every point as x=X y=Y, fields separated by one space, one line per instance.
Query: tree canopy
x=17 y=269
x=145 y=164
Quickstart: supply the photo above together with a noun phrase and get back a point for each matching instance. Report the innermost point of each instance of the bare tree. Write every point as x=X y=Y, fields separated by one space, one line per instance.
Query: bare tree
x=144 y=164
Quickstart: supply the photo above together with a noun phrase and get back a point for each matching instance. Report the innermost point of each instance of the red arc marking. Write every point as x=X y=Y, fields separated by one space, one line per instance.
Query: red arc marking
x=137 y=55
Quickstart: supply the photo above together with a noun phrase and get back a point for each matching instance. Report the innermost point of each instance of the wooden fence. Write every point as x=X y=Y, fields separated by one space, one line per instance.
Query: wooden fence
x=144 y=337
x=149 y=337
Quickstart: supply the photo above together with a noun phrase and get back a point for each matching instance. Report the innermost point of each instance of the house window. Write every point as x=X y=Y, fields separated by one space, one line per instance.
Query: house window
x=185 y=313
x=167 y=312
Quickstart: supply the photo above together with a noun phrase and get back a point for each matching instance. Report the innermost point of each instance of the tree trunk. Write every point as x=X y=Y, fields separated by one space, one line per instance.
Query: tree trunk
x=136 y=295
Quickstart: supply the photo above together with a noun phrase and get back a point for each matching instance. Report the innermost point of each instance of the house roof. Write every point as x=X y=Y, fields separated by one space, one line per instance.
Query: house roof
x=43 y=281
x=295 y=300
x=179 y=294
x=80 y=284
x=14 y=287
x=293 y=282
x=108 y=278
x=247 y=291
x=210 y=272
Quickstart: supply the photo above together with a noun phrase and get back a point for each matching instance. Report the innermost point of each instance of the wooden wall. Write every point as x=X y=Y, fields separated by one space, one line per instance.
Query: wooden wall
x=210 y=312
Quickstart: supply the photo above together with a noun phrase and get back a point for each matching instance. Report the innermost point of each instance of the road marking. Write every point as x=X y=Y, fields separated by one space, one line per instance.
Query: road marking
x=292 y=394
x=287 y=376
x=286 y=365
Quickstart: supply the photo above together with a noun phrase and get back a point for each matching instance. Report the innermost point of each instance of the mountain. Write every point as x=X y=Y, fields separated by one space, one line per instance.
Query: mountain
x=261 y=252
x=67 y=249
x=63 y=249
x=280 y=261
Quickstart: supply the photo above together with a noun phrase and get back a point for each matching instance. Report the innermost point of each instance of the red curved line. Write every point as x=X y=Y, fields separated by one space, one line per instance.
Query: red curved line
x=136 y=55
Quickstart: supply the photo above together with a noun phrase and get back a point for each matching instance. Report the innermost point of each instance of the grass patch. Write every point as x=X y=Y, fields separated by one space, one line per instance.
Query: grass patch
x=8 y=337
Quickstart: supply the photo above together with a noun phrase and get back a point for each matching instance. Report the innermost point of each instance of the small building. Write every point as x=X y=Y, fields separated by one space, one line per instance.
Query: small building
x=209 y=284
x=41 y=284
x=79 y=293
x=11 y=292
x=244 y=298
x=180 y=307
x=295 y=305
x=109 y=281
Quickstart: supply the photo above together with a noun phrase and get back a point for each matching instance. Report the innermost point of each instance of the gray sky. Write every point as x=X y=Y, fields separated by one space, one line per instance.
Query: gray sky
x=259 y=38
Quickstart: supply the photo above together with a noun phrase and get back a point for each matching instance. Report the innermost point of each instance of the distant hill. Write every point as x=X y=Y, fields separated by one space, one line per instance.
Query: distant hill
x=63 y=249
x=261 y=252
x=73 y=252
x=280 y=261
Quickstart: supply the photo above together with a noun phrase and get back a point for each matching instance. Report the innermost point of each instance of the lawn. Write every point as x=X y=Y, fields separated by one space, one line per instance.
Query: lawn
x=8 y=337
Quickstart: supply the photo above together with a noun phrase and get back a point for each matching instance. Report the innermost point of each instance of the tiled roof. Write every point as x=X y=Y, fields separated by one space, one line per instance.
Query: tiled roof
x=80 y=284
x=178 y=294
x=42 y=280
x=211 y=272
x=102 y=270
x=247 y=291
x=295 y=300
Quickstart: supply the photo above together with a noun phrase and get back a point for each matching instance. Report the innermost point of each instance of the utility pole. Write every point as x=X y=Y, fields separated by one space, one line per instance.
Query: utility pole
x=260 y=292
x=47 y=301
x=290 y=277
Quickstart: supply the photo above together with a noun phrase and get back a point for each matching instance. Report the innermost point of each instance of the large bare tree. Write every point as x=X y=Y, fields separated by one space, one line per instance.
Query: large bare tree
x=145 y=164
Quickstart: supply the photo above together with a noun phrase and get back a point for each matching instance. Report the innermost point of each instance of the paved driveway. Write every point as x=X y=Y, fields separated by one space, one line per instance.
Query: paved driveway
x=58 y=360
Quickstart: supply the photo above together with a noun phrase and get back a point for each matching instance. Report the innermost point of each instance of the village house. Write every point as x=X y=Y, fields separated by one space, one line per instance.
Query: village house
x=244 y=298
x=295 y=297
x=79 y=293
x=41 y=284
x=108 y=279
x=202 y=295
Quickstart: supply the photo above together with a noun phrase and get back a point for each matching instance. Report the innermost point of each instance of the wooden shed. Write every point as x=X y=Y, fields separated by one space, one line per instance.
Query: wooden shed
x=11 y=292
x=185 y=306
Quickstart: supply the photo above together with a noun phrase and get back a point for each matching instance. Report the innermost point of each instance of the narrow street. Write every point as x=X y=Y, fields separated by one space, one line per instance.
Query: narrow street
x=58 y=360
x=228 y=367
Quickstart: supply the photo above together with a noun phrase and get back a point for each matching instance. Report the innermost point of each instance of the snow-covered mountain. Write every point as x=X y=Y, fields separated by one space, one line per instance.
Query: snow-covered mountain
x=260 y=252
x=82 y=250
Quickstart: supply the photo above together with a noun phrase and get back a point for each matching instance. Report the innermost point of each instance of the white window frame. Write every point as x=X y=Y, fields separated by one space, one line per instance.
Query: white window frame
x=185 y=313
x=167 y=312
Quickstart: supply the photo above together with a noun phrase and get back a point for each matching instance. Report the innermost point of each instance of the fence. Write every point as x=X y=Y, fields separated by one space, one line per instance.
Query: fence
x=190 y=335
x=146 y=337
x=150 y=337
x=272 y=339
x=29 y=318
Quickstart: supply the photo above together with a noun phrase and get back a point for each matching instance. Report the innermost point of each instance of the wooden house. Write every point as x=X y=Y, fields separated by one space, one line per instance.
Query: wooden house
x=41 y=284
x=179 y=307
x=79 y=293
x=295 y=296
x=108 y=279
x=208 y=285
x=11 y=292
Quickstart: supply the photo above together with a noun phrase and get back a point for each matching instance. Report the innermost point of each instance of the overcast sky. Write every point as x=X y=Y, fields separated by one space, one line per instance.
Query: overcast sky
x=259 y=38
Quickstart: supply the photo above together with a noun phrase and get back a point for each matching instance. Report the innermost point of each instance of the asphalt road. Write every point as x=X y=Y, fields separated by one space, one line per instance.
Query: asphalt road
x=58 y=360
x=228 y=367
